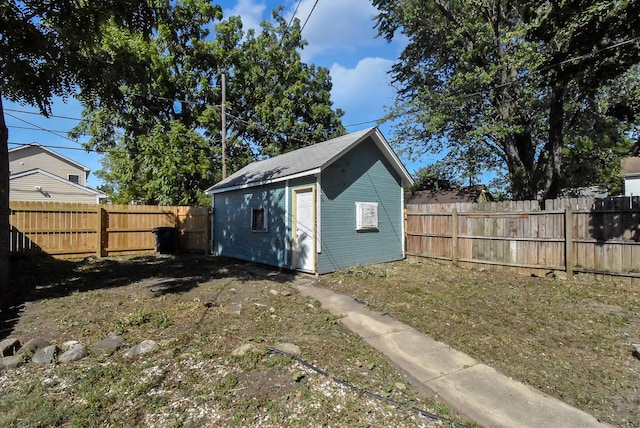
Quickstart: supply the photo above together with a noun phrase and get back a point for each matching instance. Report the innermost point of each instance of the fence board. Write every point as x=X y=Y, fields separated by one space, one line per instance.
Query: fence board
x=522 y=237
x=78 y=230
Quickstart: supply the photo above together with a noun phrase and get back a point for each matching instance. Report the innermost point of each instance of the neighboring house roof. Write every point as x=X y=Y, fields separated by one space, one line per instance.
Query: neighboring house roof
x=631 y=166
x=87 y=189
x=463 y=194
x=52 y=153
x=308 y=161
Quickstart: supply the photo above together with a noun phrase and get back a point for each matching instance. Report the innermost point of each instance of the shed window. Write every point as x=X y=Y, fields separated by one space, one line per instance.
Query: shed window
x=258 y=220
x=74 y=178
x=367 y=216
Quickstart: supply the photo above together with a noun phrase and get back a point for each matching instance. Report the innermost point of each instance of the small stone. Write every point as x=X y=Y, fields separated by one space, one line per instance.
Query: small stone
x=74 y=354
x=108 y=346
x=274 y=292
x=286 y=293
x=234 y=309
x=636 y=350
x=33 y=345
x=288 y=348
x=9 y=346
x=44 y=356
x=400 y=386
x=11 y=362
x=242 y=350
x=142 y=348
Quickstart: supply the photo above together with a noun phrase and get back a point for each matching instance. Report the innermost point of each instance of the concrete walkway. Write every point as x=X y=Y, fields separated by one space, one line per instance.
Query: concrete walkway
x=473 y=389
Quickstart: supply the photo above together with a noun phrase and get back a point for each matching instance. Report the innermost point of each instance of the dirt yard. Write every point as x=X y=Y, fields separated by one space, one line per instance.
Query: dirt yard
x=217 y=323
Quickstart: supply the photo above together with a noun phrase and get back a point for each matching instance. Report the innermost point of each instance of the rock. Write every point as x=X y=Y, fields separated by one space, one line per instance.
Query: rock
x=242 y=350
x=9 y=346
x=11 y=362
x=69 y=344
x=274 y=292
x=289 y=348
x=234 y=309
x=44 y=356
x=108 y=346
x=33 y=345
x=636 y=350
x=400 y=386
x=73 y=354
x=144 y=347
x=286 y=293
x=559 y=274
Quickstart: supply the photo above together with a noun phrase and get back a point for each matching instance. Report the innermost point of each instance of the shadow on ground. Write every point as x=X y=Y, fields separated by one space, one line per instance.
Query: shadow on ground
x=37 y=277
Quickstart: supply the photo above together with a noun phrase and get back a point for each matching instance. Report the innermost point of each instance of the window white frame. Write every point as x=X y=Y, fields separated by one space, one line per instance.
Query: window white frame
x=367 y=216
x=256 y=224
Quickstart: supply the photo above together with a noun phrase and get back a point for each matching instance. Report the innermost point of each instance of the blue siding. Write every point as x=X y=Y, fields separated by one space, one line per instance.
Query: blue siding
x=361 y=175
x=232 y=232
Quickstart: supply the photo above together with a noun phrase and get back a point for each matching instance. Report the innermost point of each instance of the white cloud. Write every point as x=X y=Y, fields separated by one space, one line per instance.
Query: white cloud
x=336 y=26
x=250 y=11
x=364 y=90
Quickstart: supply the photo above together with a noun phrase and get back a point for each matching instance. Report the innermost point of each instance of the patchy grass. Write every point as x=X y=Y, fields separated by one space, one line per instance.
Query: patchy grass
x=571 y=339
x=216 y=306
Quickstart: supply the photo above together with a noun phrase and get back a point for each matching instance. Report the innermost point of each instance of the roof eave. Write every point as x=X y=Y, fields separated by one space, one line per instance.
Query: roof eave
x=212 y=191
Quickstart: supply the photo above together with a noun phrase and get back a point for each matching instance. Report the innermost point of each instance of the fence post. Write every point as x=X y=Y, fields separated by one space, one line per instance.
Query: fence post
x=568 y=241
x=454 y=236
x=99 y=231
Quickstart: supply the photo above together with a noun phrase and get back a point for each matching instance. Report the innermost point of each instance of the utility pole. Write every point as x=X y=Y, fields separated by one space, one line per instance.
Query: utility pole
x=224 y=129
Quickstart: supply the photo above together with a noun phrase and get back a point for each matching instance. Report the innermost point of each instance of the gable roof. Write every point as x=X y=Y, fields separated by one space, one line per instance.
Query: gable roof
x=52 y=153
x=308 y=161
x=87 y=189
x=461 y=194
x=631 y=166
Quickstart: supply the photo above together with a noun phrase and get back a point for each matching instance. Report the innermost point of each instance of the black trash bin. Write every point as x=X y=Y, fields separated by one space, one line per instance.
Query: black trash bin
x=166 y=239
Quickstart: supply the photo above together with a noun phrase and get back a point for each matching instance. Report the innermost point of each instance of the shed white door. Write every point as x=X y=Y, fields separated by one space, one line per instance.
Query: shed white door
x=304 y=233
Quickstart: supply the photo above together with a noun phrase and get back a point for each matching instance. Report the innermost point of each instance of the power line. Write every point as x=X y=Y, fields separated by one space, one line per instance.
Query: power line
x=309 y=16
x=40 y=114
x=43 y=129
x=48 y=146
x=294 y=13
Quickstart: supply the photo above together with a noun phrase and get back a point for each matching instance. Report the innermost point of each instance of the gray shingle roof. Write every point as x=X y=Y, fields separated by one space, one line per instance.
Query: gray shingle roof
x=298 y=162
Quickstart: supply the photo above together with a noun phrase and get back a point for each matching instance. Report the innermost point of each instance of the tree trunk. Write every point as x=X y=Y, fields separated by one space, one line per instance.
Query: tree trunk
x=4 y=210
x=553 y=171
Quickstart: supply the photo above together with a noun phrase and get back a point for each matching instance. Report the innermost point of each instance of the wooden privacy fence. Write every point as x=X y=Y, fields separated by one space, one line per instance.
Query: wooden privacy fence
x=79 y=230
x=599 y=236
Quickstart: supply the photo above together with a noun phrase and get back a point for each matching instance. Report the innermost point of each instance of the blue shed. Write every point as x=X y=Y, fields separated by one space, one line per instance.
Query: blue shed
x=317 y=209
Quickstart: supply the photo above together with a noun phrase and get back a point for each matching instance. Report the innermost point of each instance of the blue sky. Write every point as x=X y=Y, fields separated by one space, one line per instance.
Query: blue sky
x=341 y=37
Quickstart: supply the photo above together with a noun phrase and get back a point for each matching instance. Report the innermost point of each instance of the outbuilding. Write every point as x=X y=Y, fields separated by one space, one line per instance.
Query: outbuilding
x=317 y=209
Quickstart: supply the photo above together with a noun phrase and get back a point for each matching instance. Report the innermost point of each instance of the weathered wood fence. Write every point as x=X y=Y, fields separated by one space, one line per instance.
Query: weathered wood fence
x=79 y=230
x=599 y=236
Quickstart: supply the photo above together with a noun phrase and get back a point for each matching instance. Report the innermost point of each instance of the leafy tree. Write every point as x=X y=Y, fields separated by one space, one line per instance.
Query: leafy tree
x=511 y=84
x=437 y=176
x=46 y=50
x=157 y=153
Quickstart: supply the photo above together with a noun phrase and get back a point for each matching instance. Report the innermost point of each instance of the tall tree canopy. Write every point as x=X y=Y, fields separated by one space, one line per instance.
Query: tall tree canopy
x=163 y=144
x=524 y=86
x=48 y=48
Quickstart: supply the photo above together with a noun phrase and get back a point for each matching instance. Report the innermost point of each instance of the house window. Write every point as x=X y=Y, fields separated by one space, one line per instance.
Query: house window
x=258 y=220
x=74 y=178
x=367 y=216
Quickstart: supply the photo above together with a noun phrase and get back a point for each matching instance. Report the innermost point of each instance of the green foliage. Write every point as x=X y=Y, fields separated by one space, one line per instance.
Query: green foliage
x=141 y=317
x=163 y=144
x=437 y=176
x=514 y=87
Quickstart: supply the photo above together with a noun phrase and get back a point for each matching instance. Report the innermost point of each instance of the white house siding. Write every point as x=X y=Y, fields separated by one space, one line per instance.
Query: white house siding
x=632 y=186
x=34 y=157
x=24 y=189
